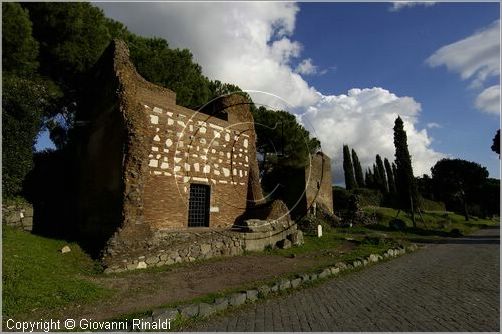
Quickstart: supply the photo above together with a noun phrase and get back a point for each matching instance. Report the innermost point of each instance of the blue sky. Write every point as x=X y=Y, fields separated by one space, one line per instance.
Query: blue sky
x=367 y=45
x=348 y=69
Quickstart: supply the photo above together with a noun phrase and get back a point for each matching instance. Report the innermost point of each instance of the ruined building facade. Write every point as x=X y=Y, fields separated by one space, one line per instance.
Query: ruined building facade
x=148 y=167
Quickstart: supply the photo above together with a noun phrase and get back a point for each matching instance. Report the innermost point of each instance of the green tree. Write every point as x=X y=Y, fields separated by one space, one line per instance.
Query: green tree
x=27 y=98
x=406 y=187
x=496 y=143
x=381 y=173
x=390 y=176
x=348 y=169
x=19 y=48
x=369 y=179
x=24 y=103
x=458 y=181
x=358 y=171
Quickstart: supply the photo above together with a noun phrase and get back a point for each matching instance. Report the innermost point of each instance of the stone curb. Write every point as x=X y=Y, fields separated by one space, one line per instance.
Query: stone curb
x=188 y=311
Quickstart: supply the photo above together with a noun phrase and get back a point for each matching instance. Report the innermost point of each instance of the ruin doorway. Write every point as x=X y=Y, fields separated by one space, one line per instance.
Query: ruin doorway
x=198 y=205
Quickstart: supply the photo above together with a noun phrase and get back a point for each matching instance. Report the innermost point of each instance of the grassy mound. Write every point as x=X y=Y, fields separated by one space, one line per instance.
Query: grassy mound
x=36 y=275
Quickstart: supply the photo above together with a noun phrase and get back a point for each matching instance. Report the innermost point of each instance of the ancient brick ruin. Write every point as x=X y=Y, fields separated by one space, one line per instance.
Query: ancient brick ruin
x=160 y=183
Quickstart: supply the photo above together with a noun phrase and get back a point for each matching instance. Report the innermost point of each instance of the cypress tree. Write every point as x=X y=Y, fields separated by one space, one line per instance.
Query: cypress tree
x=381 y=172
x=390 y=176
x=376 y=178
x=407 y=190
x=348 y=169
x=357 y=169
x=369 y=181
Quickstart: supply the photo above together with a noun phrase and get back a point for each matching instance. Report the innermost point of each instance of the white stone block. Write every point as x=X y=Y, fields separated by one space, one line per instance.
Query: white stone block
x=170 y=121
x=153 y=163
x=155 y=148
x=164 y=165
x=319 y=231
x=154 y=119
x=156 y=138
x=226 y=172
x=245 y=143
x=157 y=110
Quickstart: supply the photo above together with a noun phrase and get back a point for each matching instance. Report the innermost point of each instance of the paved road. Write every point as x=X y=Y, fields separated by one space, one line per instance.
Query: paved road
x=452 y=286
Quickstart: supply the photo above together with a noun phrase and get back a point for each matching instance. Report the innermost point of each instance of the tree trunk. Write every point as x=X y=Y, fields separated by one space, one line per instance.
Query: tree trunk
x=466 y=214
x=412 y=212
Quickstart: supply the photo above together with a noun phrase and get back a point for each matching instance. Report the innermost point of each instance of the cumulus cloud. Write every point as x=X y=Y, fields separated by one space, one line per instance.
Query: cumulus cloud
x=475 y=58
x=245 y=43
x=489 y=100
x=250 y=44
x=364 y=120
x=398 y=5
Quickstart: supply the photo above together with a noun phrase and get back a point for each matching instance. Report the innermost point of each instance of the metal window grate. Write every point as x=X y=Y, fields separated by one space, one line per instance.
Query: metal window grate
x=198 y=205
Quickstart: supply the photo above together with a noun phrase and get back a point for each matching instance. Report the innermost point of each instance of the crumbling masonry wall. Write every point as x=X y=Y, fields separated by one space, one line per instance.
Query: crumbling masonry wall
x=140 y=153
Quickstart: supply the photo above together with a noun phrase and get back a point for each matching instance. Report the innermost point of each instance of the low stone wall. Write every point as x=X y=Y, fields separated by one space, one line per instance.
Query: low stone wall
x=168 y=247
x=18 y=216
x=235 y=299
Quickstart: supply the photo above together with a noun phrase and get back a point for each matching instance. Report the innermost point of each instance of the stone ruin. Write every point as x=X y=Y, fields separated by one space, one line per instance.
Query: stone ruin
x=160 y=183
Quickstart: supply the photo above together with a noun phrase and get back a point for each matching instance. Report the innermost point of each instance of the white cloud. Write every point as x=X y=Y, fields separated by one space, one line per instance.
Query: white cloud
x=475 y=58
x=250 y=44
x=306 y=67
x=489 y=100
x=398 y=5
x=433 y=125
x=364 y=120
x=245 y=43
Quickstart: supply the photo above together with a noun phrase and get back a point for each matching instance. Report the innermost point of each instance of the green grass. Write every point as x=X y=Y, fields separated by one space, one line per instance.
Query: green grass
x=435 y=223
x=37 y=276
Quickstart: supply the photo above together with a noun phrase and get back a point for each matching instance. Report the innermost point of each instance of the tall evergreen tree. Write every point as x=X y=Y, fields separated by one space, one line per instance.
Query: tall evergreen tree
x=381 y=172
x=407 y=190
x=358 y=171
x=390 y=176
x=348 y=169
x=376 y=178
x=369 y=180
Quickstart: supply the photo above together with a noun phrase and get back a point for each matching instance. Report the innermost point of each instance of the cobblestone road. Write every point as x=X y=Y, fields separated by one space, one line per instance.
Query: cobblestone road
x=452 y=286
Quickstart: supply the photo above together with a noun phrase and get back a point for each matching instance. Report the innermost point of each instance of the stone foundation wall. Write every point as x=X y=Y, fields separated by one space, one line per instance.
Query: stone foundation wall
x=169 y=247
x=18 y=216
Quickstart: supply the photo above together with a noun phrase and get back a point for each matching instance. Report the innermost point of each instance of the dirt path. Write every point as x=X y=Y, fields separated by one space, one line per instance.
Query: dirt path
x=139 y=291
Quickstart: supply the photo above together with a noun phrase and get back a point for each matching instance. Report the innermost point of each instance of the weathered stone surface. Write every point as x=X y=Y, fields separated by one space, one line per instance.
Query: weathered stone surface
x=205 y=249
x=296 y=282
x=373 y=258
x=313 y=276
x=325 y=273
x=284 y=284
x=189 y=311
x=341 y=265
x=152 y=260
x=220 y=304
x=65 y=249
x=206 y=309
x=274 y=288
x=284 y=244
x=335 y=270
x=237 y=299
x=251 y=295
x=305 y=277
x=141 y=265
x=165 y=314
